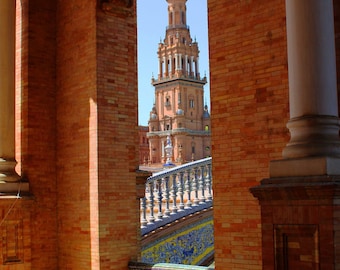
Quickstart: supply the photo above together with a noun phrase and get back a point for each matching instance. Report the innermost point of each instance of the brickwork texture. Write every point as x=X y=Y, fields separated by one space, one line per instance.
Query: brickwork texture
x=249 y=108
x=77 y=134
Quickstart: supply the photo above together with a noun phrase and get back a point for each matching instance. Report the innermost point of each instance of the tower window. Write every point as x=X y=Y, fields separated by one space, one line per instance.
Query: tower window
x=191 y=103
x=206 y=128
x=183 y=17
x=170 y=18
x=167 y=101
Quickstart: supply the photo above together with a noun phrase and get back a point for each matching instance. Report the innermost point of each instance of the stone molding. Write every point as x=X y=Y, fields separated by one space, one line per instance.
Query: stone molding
x=312 y=188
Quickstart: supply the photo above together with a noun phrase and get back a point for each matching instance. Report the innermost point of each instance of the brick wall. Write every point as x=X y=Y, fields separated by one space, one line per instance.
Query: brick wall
x=77 y=135
x=249 y=99
x=97 y=137
x=118 y=137
x=36 y=128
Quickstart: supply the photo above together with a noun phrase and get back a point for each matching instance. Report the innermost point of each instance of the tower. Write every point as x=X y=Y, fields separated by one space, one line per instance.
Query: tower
x=179 y=110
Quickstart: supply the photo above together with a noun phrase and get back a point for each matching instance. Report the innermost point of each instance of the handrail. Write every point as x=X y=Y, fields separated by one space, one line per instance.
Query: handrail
x=175 y=193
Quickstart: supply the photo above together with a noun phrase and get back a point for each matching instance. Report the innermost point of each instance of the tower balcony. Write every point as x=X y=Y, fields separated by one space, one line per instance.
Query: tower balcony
x=178 y=26
x=173 y=77
x=177 y=131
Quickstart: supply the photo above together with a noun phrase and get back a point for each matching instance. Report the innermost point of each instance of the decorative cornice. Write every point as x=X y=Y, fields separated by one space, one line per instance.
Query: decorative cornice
x=121 y=7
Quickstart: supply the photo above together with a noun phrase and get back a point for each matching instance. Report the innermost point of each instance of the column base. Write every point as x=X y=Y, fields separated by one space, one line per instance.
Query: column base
x=299 y=221
x=16 y=189
x=305 y=167
x=313 y=135
x=7 y=171
x=10 y=182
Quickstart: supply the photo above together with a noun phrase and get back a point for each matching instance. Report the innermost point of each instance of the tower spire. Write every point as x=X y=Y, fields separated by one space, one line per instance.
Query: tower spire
x=177 y=13
x=178 y=55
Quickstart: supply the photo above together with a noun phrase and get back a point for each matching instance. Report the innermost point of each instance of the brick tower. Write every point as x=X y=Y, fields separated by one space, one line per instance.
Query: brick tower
x=179 y=110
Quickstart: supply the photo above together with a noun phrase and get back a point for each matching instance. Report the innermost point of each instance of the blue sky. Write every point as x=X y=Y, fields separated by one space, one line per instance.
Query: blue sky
x=152 y=19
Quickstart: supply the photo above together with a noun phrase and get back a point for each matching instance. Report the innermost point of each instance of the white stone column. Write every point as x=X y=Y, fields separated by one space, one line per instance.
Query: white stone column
x=180 y=62
x=169 y=62
x=191 y=66
x=160 y=67
x=176 y=61
x=314 y=146
x=7 y=91
x=165 y=67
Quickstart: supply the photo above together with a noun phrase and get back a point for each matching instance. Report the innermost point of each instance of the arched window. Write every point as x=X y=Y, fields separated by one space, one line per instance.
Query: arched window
x=206 y=128
x=191 y=103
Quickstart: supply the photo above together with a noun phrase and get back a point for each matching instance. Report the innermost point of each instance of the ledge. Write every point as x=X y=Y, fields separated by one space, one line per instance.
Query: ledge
x=14 y=190
x=311 y=166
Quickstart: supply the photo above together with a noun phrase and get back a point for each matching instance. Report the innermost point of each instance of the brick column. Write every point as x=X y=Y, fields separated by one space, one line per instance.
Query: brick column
x=300 y=201
x=7 y=91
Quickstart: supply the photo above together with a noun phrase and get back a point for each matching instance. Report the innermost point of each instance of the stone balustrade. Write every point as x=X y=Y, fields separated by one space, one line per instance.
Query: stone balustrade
x=175 y=193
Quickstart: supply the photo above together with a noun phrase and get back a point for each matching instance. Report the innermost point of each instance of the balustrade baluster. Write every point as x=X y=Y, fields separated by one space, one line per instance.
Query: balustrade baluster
x=196 y=187
x=202 y=185
x=208 y=182
x=181 y=191
x=188 y=189
x=152 y=203
x=191 y=183
x=143 y=221
x=159 y=199
x=167 y=197
x=174 y=194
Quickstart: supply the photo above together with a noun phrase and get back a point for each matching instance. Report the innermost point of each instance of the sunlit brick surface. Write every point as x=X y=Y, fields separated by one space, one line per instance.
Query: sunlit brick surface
x=249 y=87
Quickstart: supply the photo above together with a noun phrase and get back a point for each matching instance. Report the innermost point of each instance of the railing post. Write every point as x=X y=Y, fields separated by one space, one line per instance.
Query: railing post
x=159 y=199
x=202 y=185
x=141 y=178
x=143 y=221
x=174 y=194
x=167 y=197
x=208 y=182
x=152 y=203
x=188 y=189
x=196 y=187
x=181 y=191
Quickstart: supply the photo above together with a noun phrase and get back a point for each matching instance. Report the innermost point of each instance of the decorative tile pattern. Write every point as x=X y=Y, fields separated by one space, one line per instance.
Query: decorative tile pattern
x=190 y=245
